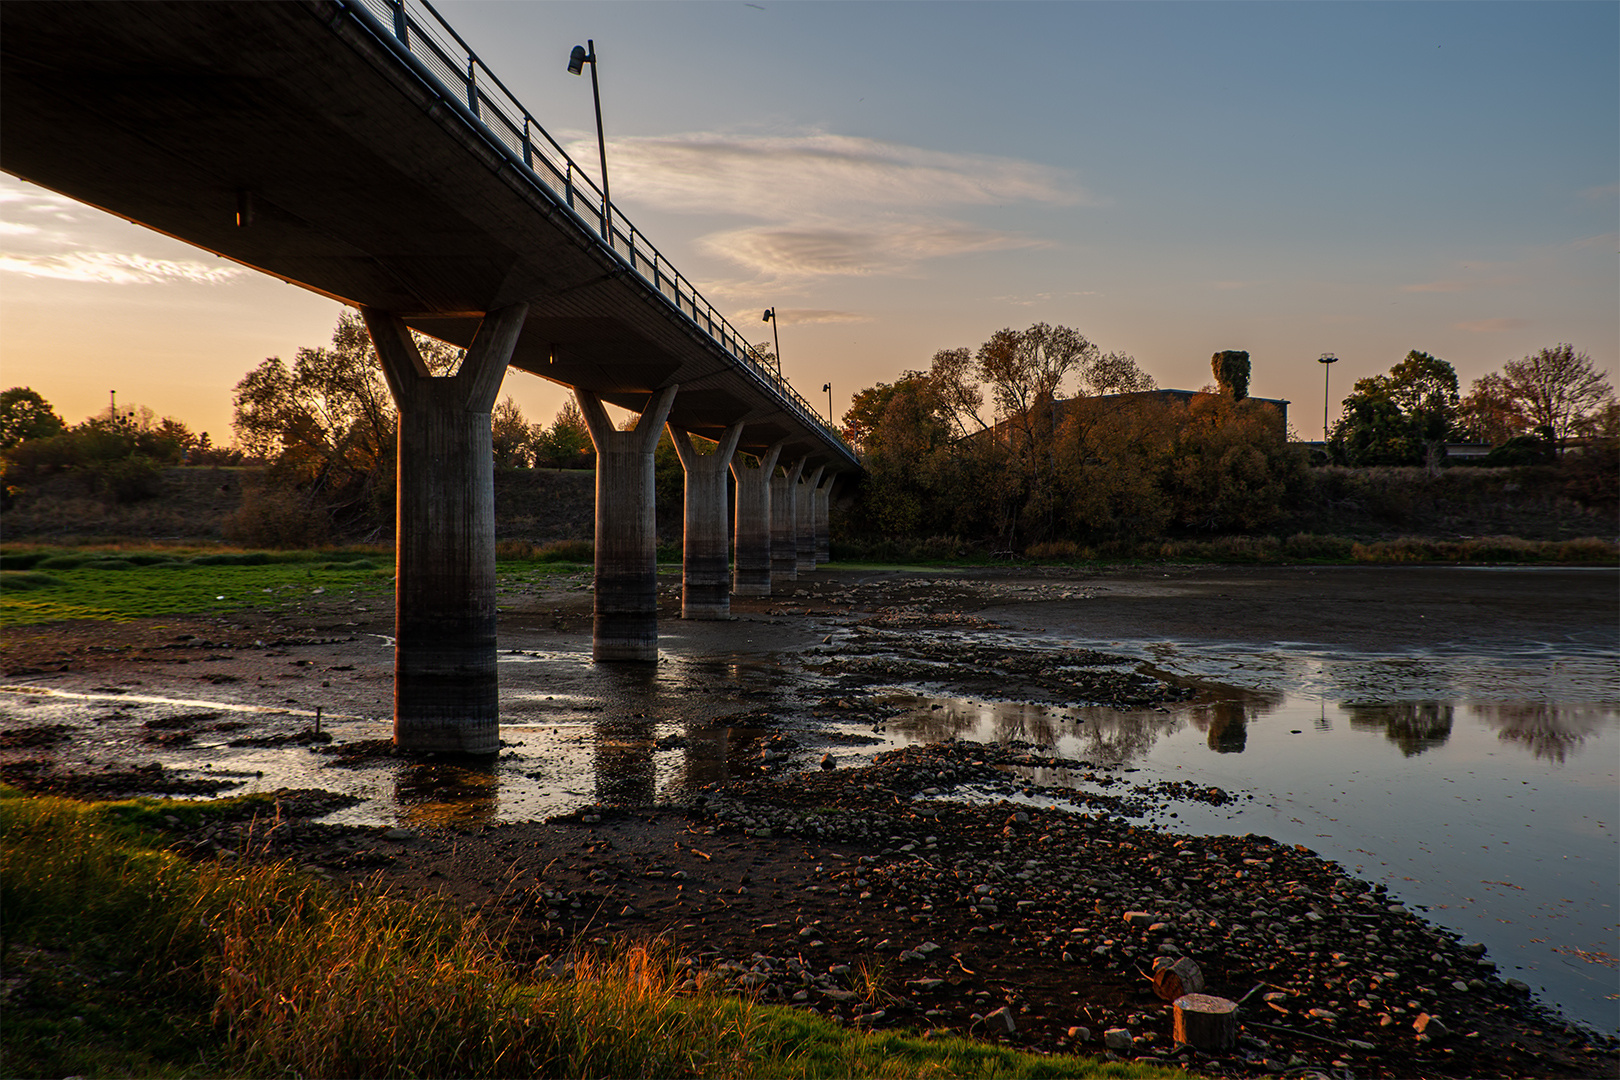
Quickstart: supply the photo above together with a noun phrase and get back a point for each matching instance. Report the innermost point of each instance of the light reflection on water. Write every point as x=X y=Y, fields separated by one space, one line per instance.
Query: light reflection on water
x=1498 y=818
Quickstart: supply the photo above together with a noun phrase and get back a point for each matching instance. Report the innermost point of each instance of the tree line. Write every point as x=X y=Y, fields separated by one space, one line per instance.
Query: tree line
x=1528 y=412
x=1035 y=436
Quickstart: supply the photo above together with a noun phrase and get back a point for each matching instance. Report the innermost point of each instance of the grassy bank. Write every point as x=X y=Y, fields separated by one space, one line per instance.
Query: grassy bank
x=124 y=959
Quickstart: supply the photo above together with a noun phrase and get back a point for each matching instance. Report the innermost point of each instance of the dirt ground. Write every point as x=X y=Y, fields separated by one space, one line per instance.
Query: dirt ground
x=852 y=890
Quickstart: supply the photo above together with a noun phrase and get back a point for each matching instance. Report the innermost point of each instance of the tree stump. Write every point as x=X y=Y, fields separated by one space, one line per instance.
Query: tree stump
x=1175 y=980
x=1205 y=1022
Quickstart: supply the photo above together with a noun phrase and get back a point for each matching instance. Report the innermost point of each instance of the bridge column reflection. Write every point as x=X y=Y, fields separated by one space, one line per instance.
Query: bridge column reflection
x=626 y=621
x=804 y=520
x=705 y=576
x=752 y=563
x=446 y=694
x=784 y=524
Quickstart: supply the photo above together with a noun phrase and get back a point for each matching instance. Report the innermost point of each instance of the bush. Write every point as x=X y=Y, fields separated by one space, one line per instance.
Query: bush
x=276 y=516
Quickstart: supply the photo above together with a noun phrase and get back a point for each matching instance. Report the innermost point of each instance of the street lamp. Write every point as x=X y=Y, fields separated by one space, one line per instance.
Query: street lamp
x=1326 y=360
x=582 y=55
x=770 y=317
x=828 y=388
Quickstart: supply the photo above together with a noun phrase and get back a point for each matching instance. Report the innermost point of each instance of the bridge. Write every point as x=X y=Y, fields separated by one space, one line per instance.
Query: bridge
x=360 y=149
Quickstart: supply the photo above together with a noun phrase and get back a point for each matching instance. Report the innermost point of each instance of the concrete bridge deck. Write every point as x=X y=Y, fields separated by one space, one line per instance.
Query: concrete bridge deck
x=369 y=177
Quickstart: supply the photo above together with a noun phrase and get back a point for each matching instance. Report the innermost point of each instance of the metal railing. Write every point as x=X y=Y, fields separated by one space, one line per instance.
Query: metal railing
x=416 y=29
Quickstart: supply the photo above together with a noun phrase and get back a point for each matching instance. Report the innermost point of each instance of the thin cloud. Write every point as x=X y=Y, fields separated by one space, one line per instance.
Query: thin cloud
x=113 y=268
x=824 y=250
x=805 y=316
x=1436 y=286
x=1491 y=326
x=773 y=176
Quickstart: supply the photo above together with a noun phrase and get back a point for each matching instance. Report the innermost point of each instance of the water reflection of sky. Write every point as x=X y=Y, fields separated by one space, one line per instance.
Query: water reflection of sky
x=1498 y=817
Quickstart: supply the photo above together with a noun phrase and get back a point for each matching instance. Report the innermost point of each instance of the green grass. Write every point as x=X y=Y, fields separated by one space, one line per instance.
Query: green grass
x=118 y=586
x=124 y=959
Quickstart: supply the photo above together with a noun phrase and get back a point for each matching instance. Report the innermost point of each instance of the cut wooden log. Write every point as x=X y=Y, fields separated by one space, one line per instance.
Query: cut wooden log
x=1175 y=980
x=1205 y=1022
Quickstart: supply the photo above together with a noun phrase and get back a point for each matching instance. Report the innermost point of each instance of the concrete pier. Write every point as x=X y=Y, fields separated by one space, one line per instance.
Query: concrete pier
x=823 y=510
x=804 y=523
x=446 y=693
x=705 y=544
x=626 y=621
x=751 y=574
x=784 y=523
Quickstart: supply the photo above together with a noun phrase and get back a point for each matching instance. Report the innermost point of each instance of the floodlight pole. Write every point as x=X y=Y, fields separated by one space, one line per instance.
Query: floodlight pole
x=828 y=388
x=1326 y=360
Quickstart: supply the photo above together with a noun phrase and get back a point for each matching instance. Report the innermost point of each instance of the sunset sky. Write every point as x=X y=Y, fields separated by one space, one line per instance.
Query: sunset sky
x=1170 y=179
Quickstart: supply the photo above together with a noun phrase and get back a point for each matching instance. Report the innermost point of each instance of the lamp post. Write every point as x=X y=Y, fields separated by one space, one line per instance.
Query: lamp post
x=582 y=55
x=1327 y=359
x=770 y=317
x=828 y=388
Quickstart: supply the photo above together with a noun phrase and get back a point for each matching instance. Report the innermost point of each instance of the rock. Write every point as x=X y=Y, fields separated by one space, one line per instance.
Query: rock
x=1430 y=1026
x=1139 y=919
x=1001 y=1022
x=1474 y=948
x=1118 y=1039
x=399 y=834
x=828 y=761
x=1518 y=986
x=926 y=985
x=1080 y=1034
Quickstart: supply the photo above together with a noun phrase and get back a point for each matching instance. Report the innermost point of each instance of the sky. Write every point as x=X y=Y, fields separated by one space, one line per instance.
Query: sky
x=1170 y=179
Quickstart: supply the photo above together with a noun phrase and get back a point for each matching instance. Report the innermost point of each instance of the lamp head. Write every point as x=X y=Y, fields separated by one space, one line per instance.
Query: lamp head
x=770 y=313
x=1327 y=358
x=578 y=59
x=827 y=388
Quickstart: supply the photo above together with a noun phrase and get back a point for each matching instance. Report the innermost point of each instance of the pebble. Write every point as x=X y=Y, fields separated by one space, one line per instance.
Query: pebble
x=1118 y=1039
x=1001 y=1021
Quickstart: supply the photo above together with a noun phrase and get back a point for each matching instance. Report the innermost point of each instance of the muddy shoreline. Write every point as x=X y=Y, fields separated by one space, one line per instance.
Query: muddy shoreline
x=774 y=874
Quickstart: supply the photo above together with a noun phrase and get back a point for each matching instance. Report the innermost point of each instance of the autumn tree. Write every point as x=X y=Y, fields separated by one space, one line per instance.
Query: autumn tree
x=25 y=415
x=510 y=437
x=1557 y=388
x=327 y=423
x=1491 y=413
x=1400 y=418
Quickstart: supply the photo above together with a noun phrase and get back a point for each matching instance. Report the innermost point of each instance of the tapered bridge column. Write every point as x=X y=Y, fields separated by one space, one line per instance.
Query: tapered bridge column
x=626 y=622
x=751 y=575
x=446 y=693
x=804 y=519
x=705 y=575
x=784 y=519
x=823 y=512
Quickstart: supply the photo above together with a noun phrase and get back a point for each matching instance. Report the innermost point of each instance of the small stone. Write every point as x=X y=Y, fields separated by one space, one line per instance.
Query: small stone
x=1518 y=986
x=828 y=761
x=1080 y=1034
x=1323 y=1014
x=1118 y=1039
x=1474 y=948
x=1430 y=1026
x=1001 y=1021
x=926 y=984
x=1459 y=986
x=399 y=834
x=1141 y=919
x=1476 y=985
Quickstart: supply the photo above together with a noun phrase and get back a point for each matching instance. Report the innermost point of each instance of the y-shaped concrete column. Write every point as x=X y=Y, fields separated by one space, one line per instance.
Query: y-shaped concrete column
x=626 y=623
x=804 y=519
x=705 y=577
x=446 y=695
x=823 y=502
x=784 y=528
x=752 y=573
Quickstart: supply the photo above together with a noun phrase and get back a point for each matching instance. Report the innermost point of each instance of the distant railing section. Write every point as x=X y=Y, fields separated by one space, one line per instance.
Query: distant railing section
x=475 y=91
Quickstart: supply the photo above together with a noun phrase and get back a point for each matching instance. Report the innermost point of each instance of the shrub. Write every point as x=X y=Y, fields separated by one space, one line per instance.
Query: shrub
x=277 y=516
